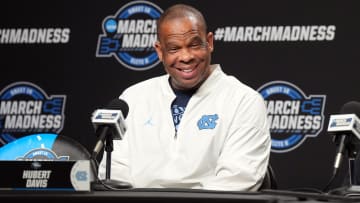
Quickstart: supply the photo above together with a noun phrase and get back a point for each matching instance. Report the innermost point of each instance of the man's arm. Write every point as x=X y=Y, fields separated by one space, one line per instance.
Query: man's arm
x=244 y=158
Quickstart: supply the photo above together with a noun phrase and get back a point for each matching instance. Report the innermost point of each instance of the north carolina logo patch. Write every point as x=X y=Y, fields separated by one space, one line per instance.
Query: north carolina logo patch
x=207 y=122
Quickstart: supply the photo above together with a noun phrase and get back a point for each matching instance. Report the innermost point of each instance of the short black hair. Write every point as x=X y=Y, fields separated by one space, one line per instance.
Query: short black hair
x=180 y=11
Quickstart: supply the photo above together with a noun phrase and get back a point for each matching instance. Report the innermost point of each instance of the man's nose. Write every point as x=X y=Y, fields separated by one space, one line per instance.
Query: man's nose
x=186 y=55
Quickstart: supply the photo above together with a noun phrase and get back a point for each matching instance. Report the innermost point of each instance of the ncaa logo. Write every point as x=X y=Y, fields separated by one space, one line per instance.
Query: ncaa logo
x=292 y=115
x=130 y=34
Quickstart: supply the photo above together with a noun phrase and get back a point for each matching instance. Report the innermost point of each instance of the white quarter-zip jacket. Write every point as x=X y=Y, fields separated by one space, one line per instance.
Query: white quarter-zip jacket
x=222 y=143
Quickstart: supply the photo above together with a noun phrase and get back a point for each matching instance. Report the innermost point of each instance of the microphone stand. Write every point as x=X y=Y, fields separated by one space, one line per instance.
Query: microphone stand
x=109 y=184
x=342 y=147
x=351 y=146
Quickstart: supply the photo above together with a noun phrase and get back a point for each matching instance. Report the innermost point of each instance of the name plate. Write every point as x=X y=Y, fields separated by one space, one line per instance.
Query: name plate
x=45 y=175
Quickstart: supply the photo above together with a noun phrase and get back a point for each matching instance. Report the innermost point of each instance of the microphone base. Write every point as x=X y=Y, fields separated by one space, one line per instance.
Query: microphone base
x=108 y=184
x=347 y=191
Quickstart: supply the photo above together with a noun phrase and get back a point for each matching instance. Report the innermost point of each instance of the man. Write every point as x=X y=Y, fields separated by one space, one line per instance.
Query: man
x=195 y=127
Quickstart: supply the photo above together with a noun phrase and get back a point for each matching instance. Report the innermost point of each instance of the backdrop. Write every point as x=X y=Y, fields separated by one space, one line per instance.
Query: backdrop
x=61 y=60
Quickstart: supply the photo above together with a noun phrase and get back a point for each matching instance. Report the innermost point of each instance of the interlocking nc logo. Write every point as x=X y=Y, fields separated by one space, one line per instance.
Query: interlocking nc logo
x=81 y=175
x=207 y=122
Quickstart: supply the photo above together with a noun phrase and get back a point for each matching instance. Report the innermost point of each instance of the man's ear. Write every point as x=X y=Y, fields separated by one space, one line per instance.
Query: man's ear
x=210 y=41
x=157 y=46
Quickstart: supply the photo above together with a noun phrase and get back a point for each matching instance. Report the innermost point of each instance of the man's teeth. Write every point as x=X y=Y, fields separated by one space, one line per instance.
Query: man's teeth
x=187 y=70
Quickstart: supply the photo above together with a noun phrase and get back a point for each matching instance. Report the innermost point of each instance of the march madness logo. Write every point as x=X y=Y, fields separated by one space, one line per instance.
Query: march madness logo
x=130 y=34
x=292 y=115
x=26 y=109
x=42 y=154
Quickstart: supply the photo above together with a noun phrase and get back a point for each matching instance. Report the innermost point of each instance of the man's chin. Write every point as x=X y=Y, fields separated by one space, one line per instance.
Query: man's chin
x=186 y=85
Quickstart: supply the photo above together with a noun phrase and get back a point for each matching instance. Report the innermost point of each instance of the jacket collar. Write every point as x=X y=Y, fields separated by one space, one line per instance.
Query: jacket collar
x=203 y=90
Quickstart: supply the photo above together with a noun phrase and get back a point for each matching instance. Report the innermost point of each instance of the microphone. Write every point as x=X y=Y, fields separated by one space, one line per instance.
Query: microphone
x=345 y=126
x=109 y=122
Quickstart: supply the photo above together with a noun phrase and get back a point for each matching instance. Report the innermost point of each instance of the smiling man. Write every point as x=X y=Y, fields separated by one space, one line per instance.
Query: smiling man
x=195 y=127
x=184 y=47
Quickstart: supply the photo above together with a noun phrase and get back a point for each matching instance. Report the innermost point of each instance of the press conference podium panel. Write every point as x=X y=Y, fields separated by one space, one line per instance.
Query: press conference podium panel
x=169 y=196
x=13 y=190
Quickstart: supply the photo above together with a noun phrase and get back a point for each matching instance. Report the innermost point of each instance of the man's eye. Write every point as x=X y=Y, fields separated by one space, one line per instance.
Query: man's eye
x=172 y=49
x=195 y=45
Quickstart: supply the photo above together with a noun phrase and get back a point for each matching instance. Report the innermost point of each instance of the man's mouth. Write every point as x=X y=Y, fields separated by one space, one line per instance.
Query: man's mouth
x=186 y=70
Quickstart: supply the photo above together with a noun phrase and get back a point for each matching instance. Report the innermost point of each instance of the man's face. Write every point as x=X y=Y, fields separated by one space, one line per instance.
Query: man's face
x=185 y=50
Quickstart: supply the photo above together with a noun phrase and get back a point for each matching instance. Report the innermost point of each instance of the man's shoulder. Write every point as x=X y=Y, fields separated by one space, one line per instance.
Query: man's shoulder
x=146 y=85
x=238 y=87
x=230 y=82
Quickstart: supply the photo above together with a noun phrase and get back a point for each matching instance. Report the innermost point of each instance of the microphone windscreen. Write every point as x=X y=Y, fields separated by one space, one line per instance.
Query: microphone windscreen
x=352 y=107
x=119 y=104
